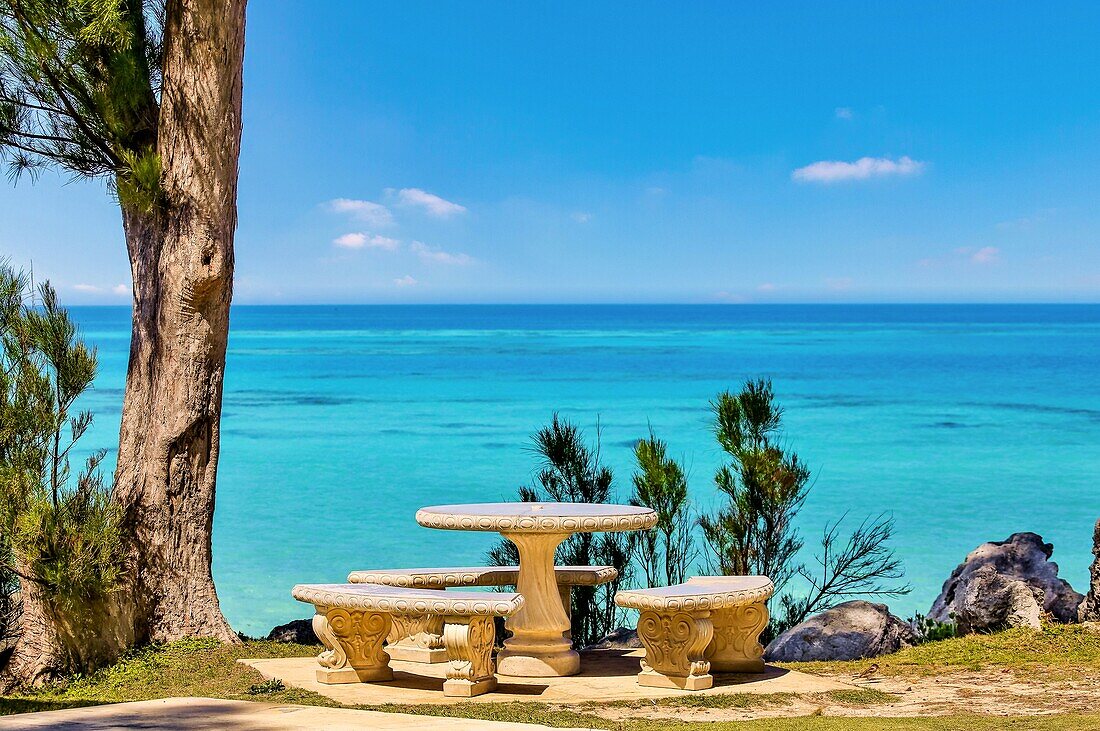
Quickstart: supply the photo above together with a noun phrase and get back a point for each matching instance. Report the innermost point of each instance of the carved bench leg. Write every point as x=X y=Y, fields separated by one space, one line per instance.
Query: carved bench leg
x=469 y=642
x=417 y=639
x=736 y=645
x=675 y=645
x=564 y=590
x=353 y=642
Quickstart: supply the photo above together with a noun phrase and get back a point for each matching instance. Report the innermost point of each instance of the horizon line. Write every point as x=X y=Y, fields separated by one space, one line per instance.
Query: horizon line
x=1054 y=303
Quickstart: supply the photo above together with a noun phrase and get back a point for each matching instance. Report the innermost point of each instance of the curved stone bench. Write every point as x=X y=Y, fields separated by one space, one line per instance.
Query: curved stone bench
x=421 y=639
x=353 y=620
x=708 y=622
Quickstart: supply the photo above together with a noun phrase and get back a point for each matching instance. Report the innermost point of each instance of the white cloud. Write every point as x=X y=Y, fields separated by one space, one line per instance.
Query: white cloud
x=844 y=113
x=428 y=202
x=405 y=281
x=375 y=214
x=581 y=216
x=118 y=289
x=350 y=241
x=833 y=171
x=986 y=255
x=430 y=255
x=766 y=287
x=360 y=240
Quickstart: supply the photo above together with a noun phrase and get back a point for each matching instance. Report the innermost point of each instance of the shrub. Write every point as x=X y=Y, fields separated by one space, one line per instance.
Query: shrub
x=930 y=630
x=61 y=536
x=667 y=551
x=766 y=485
x=570 y=472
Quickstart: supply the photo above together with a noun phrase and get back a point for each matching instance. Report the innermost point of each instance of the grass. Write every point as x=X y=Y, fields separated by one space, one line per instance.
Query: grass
x=206 y=669
x=1057 y=651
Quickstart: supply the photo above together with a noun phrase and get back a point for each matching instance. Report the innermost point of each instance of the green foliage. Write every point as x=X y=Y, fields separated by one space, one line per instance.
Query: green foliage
x=667 y=551
x=766 y=485
x=274 y=685
x=79 y=88
x=570 y=472
x=929 y=630
x=72 y=547
x=138 y=184
x=61 y=534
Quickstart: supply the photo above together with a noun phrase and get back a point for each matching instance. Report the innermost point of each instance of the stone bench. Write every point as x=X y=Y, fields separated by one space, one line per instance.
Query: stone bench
x=353 y=621
x=709 y=622
x=420 y=639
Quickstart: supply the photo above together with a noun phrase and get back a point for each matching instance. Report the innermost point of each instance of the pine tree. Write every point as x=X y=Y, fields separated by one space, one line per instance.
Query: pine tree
x=146 y=95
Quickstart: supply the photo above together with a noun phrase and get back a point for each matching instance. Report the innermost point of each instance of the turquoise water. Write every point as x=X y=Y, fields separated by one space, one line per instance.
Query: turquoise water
x=965 y=422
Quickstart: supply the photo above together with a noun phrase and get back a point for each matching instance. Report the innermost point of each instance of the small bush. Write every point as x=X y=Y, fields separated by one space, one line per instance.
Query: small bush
x=268 y=686
x=929 y=630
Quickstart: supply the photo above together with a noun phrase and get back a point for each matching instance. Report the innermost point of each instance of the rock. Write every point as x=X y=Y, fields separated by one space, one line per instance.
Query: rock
x=624 y=638
x=987 y=600
x=299 y=631
x=983 y=592
x=848 y=631
x=1089 y=610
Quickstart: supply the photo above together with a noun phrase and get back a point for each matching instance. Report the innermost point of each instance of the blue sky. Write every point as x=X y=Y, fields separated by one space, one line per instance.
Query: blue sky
x=671 y=152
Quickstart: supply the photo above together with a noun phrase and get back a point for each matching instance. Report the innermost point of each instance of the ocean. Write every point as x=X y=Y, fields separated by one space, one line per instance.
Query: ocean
x=966 y=423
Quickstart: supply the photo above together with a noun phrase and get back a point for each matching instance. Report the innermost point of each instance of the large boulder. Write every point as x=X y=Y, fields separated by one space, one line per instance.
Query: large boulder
x=1007 y=583
x=623 y=638
x=1089 y=610
x=848 y=631
x=298 y=631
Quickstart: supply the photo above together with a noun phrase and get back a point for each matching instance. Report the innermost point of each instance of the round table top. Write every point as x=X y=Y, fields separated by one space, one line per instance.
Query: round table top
x=537 y=517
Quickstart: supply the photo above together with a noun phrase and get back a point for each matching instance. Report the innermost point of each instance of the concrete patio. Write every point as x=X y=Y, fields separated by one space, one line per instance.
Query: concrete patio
x=605 y=675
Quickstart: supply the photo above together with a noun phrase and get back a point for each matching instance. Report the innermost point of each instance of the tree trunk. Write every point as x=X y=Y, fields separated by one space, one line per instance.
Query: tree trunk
x=38 y=655
x=181 y=257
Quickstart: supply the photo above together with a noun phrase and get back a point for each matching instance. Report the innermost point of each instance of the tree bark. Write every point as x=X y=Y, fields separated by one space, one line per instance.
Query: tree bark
x=53 y=641
x=38 y=655
x=181 y=257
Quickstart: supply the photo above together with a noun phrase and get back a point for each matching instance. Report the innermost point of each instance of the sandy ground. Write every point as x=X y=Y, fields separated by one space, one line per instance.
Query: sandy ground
x=991 y=694
x=607 y=688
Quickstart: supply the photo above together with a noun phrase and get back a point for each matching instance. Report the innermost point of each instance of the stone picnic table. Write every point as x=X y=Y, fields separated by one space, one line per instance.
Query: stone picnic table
x=538 y=647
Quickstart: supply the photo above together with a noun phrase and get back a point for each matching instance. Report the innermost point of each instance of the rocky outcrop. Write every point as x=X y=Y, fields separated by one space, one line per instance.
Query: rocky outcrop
x=848 y=631
x=1009 y=583
x=624 y=638
x=1089 y=610
x=299 y=631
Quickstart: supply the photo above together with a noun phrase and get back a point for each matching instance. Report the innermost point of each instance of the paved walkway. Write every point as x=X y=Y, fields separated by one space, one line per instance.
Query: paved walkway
x=209 y=714
x=605 y=675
